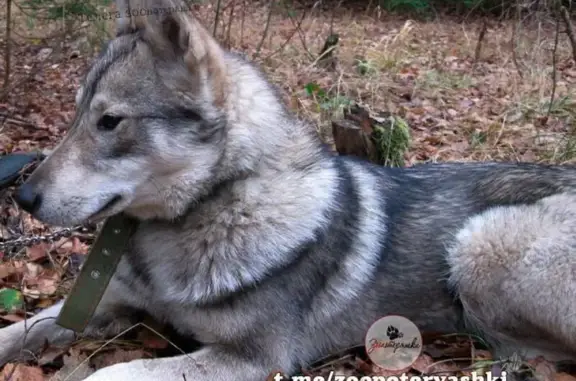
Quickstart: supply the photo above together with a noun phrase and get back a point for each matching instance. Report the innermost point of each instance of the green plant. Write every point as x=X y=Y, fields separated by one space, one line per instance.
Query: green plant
x=72 y=15
x=423 y=7
x=365 y=67
x=71 y=9
x=324 y=101
x=418 y=6
x=392 y=138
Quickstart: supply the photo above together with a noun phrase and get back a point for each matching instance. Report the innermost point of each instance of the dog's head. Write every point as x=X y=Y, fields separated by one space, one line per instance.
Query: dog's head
x=151 y=127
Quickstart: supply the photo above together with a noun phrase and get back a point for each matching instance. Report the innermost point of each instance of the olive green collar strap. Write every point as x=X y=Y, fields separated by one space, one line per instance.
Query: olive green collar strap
x=96 y=272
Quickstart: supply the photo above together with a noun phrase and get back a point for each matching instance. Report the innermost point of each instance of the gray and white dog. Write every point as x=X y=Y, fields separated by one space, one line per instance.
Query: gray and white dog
x=267 y=248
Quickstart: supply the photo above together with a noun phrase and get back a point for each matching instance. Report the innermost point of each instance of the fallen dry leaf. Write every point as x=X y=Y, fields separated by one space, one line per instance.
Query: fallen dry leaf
x=66 y=246
x=20 y=372
x=564 y=377
x=272 y=375
x=544 y=370
x=45 y=303
x=37 y=252
x=32 y=271
x=13 y=318
x=482 y=355
x=40 y=282
x=50 y=354
x=7 y=269
x=377 y=371
x=117 y=356
x=47 y=285
x=74 y=369
x=151 y=340
x=423 y=363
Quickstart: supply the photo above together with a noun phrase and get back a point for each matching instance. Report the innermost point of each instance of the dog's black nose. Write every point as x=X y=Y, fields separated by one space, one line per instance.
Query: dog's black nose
x=28 y=199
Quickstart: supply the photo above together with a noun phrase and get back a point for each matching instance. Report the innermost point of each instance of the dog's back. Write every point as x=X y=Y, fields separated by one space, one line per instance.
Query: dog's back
x=398 y=242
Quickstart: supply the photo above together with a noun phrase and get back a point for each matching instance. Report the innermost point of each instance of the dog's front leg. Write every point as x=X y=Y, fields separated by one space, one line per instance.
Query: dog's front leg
x=22 y=339
x=28 y=336
x=211 y=363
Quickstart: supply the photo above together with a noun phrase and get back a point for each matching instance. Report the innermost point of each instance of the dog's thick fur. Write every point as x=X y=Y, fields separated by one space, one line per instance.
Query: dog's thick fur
x=272 y=251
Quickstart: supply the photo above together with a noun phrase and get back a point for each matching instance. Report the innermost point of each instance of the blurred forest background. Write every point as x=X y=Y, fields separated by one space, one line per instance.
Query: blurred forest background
x=465 y=79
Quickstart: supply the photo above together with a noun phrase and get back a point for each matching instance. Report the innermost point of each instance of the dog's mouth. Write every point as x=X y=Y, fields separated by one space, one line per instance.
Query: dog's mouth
x=106 y=210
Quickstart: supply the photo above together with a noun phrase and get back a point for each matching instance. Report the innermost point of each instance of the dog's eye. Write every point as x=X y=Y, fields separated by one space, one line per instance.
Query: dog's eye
x=109 y=122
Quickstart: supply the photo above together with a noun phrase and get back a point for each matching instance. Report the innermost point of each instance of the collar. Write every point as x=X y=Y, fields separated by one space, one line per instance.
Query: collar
x=96 y=272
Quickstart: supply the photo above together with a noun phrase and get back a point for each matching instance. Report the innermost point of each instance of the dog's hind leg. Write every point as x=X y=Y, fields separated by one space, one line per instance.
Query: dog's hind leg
x=514 y=270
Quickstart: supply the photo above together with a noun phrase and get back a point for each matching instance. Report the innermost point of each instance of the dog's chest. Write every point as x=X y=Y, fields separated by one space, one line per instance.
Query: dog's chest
x=172 y=274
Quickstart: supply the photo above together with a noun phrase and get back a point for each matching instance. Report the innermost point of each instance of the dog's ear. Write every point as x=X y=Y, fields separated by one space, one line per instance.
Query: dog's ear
x=173 y=33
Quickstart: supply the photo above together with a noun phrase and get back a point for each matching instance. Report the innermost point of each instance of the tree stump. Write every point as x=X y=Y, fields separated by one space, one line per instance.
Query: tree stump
x=382 y=139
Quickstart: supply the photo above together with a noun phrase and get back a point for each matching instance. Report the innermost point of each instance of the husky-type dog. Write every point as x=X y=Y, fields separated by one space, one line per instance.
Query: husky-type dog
x=269 y=249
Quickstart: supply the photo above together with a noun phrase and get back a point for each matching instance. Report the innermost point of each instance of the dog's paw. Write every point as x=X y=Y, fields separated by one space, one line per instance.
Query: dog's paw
x=148 y=370
x=10 y=344
x=393 y=333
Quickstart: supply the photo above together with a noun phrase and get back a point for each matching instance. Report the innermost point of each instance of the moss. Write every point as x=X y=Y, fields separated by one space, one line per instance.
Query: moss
x=392 y=138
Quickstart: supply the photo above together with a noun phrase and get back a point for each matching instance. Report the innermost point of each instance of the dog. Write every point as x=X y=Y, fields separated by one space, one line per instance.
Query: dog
x=269 y=249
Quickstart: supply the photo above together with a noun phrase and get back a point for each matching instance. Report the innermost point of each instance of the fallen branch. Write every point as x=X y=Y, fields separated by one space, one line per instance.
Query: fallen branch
x=5 y=117
x=302 y=36
x=513 y=43
x=242 y=24
x=297 y=28
x=481 y=36
x=230 y=21
x=217 y=17
x=7 y=52
x=265 y=34
x=326 y=57
x=556 y=37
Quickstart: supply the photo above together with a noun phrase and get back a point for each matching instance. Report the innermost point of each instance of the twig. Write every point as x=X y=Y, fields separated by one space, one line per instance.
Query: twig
x=554 y=67
x=24 y=11
x=108 y=342
x=230 y=20
x=327 y=59
x=569 y=29
x=321 y=56
x=513 y=44
x=478 y=50
x=302 y=38
x=7 y=51
x=44 y=39
x=292 y=34
x=217 y=17
x=36 y=67
x=14 y=120
x=368 y=8
x=257 y=53
x=242 y=23
x=333 y=16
